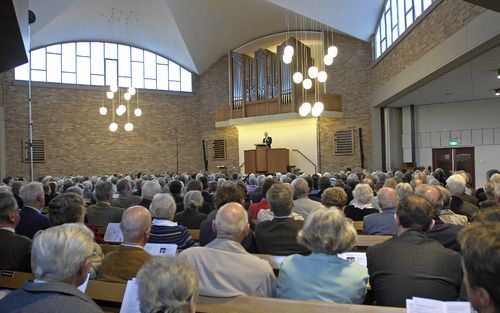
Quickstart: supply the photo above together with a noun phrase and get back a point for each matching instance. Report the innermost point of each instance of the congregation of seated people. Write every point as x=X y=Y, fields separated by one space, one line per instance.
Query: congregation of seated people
x=445 y=237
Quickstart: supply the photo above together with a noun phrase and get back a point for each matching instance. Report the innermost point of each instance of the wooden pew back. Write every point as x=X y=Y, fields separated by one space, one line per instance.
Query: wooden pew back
x=110 y=295
x=245 y=304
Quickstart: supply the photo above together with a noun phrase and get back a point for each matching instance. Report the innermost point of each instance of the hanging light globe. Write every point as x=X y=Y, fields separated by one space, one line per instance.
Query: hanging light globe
x=328 y=59
x=317 y=109
x=307 y=83
x=129 y=127
x=113 y=88
x=110 y=95
x=137 y=112
x=113 y=127
x=322 y=76
x=121 y=110
x=304 y=109
x=289 y=50
x=287 y=59
x=126 y=96
x=333 y=51
x=103 y=110
x=131 y=91
x=297 y=77
x=312 y=72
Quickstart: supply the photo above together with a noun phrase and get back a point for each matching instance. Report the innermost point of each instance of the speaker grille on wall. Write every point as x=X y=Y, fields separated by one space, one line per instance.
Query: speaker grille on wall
x=219 y=149
x=38 y=151
x=343 y=141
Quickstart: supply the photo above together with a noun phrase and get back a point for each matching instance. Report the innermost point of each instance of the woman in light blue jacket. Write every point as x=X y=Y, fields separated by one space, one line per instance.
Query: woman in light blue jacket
x=323 y=275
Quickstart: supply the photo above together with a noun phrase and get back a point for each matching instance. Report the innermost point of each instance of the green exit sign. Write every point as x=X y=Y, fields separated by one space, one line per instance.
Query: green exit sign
x=453 y=143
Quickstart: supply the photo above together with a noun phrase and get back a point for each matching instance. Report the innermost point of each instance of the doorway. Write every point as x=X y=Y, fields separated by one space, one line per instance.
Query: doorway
x=454 y=159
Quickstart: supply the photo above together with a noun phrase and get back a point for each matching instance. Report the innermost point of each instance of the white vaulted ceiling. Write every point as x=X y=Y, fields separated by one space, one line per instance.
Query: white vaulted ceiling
x=193 y=33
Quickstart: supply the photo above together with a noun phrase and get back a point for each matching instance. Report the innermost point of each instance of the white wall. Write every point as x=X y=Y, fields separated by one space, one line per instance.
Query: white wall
x=473 y=123
x=293 y=134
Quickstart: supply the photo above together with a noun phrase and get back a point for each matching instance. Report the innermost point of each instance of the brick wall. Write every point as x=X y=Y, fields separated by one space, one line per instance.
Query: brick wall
x=78 y=140
x=214 y=92
x=442 y=22
x=348 y=76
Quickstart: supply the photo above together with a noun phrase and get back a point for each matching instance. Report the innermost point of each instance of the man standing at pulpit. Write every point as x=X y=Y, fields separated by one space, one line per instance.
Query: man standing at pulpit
x=267 y=140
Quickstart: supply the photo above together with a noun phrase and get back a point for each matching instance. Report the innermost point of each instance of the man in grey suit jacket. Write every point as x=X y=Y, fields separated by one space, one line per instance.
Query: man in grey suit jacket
x=383 y=223
x=16 y=249
x=61 y=260
x=102 y=213
x=303 y=205
x=413 y=265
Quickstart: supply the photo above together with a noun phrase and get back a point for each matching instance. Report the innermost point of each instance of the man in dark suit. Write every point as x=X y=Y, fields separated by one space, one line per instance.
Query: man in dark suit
x=445 y=233
x=102 y=213
x=16 y=248
x=456 y=185
x=32 y=219
x=279 y=235
x=383 y=223
x=413 y=265
x=267 y=140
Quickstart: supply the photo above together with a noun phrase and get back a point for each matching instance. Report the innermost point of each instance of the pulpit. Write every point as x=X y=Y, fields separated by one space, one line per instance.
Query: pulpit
x=266 y=160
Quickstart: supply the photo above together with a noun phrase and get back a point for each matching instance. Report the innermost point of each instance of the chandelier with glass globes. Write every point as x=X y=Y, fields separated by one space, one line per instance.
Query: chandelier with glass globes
x=306 y=79
x=122 y=108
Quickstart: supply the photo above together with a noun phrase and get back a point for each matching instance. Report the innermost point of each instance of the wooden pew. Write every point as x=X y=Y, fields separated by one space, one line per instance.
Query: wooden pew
x=365 y=241
x=245 y=304
x=101 y=230
x=13 y=279
x=109 y=297
x=195 y=234
x=358 y=225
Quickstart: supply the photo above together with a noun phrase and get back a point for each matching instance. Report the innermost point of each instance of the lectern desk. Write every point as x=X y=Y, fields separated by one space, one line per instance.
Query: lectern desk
x=266 y=160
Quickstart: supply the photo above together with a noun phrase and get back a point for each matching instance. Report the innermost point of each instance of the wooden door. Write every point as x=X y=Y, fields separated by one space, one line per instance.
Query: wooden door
x=454 y=159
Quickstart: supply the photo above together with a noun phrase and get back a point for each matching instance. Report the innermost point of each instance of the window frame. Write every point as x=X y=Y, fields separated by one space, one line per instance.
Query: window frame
x=124 y=80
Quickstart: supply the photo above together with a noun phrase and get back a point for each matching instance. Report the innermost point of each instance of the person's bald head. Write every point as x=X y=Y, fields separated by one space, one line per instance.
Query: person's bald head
x=387 y=198
x=231 y=222
x=431 y=194
x=136 y=225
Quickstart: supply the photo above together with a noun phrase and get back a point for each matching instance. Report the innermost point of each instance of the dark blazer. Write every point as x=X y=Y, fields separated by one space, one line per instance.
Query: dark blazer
x=31 y=222
x=179 y=203
x=357 y=214
x=54 y=297
x=446 y=234
x=102 y=213
x=459 y=206
x=382 y=223
x=208 y=203
x=268 y=141
x=413 y=265
x=145 y=203
x=190 y=219
x=17 y=252
x=279 y=236
x=126 y=202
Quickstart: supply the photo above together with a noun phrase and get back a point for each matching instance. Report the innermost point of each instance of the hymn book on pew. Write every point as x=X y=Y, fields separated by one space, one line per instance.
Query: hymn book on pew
x=423 y=305
x=358 y=257
x=130 y=303
x=113 y=233
x=161 y=249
